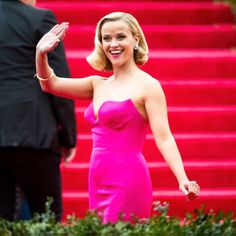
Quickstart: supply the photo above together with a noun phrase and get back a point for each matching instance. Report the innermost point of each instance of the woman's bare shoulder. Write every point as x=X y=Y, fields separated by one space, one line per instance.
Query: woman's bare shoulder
x=150 y=82
x=151 y=86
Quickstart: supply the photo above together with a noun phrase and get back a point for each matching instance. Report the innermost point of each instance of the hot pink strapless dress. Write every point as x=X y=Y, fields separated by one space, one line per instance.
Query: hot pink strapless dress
x=119 y=180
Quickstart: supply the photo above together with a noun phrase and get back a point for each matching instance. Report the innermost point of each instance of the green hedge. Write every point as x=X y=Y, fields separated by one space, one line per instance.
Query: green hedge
x=199 y=223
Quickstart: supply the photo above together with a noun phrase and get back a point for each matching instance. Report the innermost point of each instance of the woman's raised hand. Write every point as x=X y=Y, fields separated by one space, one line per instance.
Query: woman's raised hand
x=51 y=39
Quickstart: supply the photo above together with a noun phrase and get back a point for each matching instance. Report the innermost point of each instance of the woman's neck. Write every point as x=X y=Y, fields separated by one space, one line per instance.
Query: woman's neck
x=124 y=72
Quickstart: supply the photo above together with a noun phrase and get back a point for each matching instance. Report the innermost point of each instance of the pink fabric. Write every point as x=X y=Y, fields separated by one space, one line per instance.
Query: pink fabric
x=119 y=180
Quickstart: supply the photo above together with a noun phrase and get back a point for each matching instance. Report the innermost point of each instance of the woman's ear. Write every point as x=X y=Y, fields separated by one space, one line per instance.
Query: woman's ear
x=137 y=38
x=136 y=41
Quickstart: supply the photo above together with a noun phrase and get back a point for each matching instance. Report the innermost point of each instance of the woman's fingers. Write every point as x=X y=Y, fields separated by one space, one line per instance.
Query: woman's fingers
x=190 y=188
x=183 y=189
x=54 y=28
x=60 y=29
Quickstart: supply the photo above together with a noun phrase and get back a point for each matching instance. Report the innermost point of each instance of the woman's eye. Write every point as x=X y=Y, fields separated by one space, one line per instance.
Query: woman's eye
x=121 y=37
x=106 y=39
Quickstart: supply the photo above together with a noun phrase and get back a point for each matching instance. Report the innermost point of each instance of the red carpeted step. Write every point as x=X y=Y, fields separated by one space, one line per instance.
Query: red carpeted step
x=171 y=64
x=203 y=119
x=197 y=147
x=168 y=36
x=193 y=147
x=75 y=175
x=75 y=203
x=187 y=119
x=146 y=12
x=219 y=200
x=200 y=92
x=197 y=64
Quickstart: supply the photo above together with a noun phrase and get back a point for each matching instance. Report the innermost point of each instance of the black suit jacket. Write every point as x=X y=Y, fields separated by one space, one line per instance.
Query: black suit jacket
x=30 y=117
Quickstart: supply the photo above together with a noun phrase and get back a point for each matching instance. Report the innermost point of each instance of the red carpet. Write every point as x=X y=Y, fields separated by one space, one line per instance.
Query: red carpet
x=192 y=53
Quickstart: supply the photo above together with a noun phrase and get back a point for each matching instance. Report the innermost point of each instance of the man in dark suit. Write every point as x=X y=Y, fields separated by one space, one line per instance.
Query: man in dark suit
x=36 y=129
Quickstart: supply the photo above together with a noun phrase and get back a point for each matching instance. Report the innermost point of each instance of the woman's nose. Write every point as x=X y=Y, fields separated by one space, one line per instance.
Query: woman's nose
x=114 y=43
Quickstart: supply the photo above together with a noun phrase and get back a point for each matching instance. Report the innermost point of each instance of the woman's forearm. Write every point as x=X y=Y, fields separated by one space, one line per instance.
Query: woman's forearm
x=170 y=152
x=45 y=73
x=43 y=69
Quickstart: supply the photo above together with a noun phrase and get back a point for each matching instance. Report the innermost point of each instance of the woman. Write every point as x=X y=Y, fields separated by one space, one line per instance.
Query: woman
x=123 y=106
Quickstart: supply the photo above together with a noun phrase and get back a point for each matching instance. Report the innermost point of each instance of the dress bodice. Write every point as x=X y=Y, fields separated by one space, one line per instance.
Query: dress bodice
x=118 y=125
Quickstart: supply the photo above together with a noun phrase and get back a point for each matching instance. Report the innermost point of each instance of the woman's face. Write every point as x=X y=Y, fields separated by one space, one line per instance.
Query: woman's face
x=117 y=43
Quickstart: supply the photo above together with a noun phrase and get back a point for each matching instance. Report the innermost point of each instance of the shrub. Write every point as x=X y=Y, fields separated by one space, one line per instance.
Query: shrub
x=198 y=223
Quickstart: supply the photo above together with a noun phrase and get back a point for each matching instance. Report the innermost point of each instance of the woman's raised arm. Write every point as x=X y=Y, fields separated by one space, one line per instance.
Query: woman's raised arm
x=71 y=88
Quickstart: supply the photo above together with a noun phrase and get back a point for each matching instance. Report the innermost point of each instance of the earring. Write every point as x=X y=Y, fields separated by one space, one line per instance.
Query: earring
x=136 y=47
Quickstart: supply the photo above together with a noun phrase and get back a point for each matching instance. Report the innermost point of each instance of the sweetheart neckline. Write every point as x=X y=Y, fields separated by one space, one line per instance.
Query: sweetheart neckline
x=114 y=101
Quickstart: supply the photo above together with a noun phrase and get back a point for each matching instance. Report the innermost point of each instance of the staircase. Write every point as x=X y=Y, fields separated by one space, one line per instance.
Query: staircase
x=192 y=53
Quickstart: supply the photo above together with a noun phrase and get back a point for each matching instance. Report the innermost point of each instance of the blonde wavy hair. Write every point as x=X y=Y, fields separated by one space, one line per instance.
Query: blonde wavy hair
x=98 y=60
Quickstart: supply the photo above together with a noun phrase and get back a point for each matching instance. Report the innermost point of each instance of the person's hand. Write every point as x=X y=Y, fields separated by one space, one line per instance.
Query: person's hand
x=51 y=39
x=190 y=188
x=68 y=154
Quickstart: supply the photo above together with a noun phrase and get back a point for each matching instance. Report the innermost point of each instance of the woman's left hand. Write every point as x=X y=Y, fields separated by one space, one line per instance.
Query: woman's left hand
x=190 y=188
